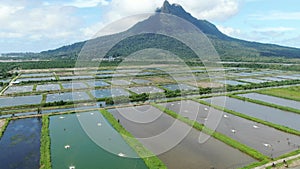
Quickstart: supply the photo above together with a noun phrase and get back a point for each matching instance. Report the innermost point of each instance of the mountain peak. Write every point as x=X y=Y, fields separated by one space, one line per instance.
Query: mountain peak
x=166 y=4
x=205 y=26
x=170 y=9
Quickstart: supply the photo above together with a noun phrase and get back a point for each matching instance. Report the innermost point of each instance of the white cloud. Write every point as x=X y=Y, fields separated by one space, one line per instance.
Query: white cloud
x=229 y=31
x=56 y=22
x=87 y=4
x=38 y=22
x=215 y=10
x=276 y=15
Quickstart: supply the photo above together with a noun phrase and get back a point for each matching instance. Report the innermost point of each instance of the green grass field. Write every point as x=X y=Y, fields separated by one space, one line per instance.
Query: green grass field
x=292 y=93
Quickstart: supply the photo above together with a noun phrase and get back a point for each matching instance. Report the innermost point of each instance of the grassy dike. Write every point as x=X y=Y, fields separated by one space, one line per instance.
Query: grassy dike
x=266 y=104
x=2 y=129
x=152 y=161
x=276 y=126
x=290 y=93
x=45 y=159
x=227 y=140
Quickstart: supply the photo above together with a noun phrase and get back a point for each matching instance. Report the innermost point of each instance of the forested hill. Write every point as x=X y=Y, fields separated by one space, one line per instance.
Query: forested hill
x=226 y=46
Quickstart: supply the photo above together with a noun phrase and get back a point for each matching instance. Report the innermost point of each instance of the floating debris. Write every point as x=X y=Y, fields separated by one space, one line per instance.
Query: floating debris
x=205 y=108
x=61 y=117
x=255 y=126
x=267 y=145
x=72 y=167
x=121 y=154
x=226 y=116
x=99 y=124
x=233 y=131
x=67 y=146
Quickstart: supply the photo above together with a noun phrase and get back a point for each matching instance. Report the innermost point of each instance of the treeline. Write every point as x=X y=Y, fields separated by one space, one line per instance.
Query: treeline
x=264 y=66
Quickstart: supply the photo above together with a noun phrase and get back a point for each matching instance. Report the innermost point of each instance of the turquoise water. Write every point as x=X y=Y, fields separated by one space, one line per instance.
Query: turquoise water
x=84 y=153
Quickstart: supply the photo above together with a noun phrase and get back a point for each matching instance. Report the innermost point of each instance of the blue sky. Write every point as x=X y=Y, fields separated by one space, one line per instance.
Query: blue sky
x=37 y=25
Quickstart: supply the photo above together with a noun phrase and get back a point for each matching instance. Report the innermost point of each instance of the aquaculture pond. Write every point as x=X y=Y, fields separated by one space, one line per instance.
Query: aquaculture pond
x=20 y=100
x=231 y=82
x=141 y=81
x=150 y=126
x=89 y=147
x=272 y=78
x=254 y=80
x=97 y=83
x=110 y=92
x=38 y=79
x=109 y=75
x=267 y=140
x=120 y=82
x=273 y=100
x=181 y=87
x=75 y=77
x=18 y=89
x=5 y=80
x=289 y=77
x=20 y=144
x=146 y=89
x=36 y=75
x=74 y=85
x=48 y=87
x=67 y=97
x=266 y=113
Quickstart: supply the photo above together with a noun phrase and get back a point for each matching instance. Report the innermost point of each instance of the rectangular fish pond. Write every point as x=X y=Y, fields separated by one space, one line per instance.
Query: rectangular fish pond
x=146 y=122
x=146 y=89
x=36 y=75
x=87 y=140
x=18 y=89
x=181 y=87
x=231 y=82
x=267 y=140
x=249 y=80
x=20 y=100
x=75 y=77
x=37 y=79
x=273 y=100
x=97 y=83
x=74 y=85
x=110 y=92
x=20 y=144
x=48 y=87
x=266 y=113
x=67 y=97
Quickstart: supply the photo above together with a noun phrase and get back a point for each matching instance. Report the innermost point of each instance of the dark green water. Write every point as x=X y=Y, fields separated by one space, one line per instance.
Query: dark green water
x=20 y=145
x=84 y=153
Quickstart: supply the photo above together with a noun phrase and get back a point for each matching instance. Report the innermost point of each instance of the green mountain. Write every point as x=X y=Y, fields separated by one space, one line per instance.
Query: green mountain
x=226 y=46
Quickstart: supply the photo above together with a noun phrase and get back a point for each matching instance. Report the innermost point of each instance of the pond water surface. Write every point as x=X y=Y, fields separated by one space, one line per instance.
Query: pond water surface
x=270 y=114
x=273 y=100
x=148 y=122
x=83 y=152
x=20 y=145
